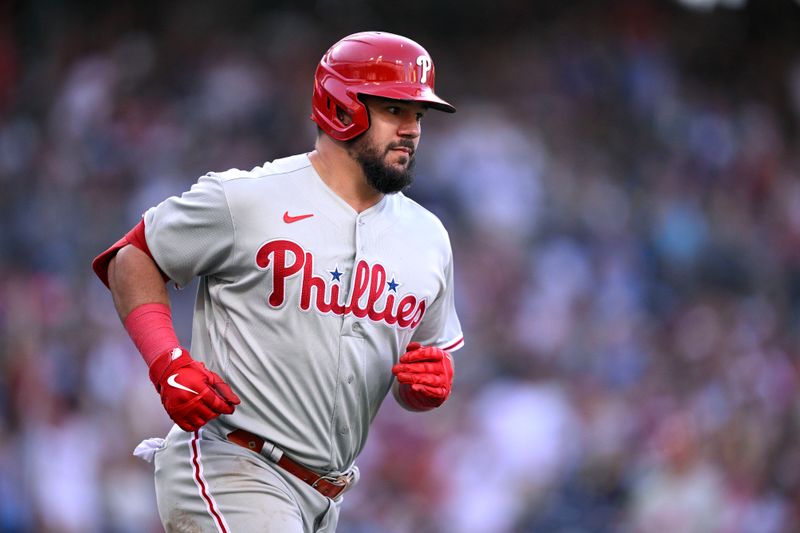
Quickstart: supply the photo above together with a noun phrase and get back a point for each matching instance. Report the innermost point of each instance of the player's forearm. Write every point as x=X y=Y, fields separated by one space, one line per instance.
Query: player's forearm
x=134 y=280
x=142 y=303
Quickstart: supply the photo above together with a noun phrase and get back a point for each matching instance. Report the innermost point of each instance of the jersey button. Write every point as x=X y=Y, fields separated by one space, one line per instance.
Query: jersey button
x=357 y=327
x=350 y=379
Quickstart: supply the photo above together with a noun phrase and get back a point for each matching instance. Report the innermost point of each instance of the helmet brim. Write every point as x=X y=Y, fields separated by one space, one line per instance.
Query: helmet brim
x=411 y=92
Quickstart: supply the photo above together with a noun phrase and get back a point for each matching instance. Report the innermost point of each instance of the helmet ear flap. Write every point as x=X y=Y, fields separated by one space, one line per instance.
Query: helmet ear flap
x=343 y=116
x=338 y=110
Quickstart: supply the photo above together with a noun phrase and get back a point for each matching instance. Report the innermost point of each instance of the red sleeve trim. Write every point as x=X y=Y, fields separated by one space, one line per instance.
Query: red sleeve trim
x=134 y=237
x=453 y=346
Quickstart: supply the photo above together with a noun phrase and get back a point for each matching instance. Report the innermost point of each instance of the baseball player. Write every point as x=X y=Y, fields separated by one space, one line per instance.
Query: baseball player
x=322 y=287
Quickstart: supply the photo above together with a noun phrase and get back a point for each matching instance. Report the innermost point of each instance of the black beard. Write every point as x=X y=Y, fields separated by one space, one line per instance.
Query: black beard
x=380 y=176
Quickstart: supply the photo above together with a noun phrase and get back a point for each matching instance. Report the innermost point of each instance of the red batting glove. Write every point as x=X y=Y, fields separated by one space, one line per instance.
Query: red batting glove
x=425 y=375
x=191 y=394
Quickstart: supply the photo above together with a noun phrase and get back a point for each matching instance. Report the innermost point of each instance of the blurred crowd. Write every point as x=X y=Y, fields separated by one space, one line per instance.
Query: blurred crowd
x=622 y=190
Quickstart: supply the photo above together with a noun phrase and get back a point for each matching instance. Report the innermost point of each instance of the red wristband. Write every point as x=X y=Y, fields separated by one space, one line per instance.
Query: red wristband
x=150 y=327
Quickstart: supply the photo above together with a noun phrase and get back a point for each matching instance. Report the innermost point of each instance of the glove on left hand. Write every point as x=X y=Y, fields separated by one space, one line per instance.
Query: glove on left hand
x=425 y=375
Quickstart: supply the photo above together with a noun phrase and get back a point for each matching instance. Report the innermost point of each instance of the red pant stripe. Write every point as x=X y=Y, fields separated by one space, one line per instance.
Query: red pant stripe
x=211 y=505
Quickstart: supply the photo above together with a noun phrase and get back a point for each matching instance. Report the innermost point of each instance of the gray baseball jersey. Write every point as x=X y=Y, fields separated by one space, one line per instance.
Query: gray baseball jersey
x=304 y=305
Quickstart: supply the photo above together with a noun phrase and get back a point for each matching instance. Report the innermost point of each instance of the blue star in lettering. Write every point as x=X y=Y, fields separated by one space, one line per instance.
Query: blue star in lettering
x=335 y=274
x=392 y=285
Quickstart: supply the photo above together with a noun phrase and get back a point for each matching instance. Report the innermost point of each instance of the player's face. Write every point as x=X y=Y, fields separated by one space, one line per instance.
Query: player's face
x=386 y=151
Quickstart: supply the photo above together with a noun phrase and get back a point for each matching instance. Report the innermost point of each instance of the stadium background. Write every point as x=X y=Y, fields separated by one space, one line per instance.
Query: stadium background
x=621 y=185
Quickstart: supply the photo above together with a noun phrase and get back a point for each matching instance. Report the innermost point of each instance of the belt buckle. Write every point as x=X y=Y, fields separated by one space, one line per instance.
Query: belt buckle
x=341 y=481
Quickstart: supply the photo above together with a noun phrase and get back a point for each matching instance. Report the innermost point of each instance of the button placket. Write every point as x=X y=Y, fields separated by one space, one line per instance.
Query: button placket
x=356 y=327
x=360 y=223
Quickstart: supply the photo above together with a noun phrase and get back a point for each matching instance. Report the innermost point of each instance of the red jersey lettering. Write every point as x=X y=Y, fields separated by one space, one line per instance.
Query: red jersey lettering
x=287 y=259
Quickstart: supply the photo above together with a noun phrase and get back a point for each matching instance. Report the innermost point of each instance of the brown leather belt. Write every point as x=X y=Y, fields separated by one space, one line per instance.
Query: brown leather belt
x=330 y=486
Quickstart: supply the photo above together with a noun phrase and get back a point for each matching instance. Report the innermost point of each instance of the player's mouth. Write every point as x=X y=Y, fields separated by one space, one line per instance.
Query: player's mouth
x=404 y=147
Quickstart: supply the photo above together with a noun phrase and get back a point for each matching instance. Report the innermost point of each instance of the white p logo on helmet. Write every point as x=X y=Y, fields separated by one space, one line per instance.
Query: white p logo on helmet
x=425 y=63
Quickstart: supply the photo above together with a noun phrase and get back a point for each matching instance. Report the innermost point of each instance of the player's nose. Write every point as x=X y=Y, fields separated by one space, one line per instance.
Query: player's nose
x=409 y=123
x=409 y=128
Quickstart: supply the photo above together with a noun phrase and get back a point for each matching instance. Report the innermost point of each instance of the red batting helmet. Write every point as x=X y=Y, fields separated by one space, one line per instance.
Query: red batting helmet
x=374 y=63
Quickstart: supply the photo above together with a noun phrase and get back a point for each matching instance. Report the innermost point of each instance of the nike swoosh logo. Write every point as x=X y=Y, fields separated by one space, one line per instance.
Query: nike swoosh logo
x=171 y=381
x=290 y=219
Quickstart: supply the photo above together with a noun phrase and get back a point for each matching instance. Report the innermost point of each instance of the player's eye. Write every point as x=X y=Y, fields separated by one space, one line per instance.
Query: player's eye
x=419 y=116
x=394 y=110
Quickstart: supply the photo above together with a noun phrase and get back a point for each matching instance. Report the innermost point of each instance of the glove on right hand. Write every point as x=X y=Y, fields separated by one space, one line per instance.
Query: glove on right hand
x=191 y=394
